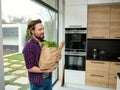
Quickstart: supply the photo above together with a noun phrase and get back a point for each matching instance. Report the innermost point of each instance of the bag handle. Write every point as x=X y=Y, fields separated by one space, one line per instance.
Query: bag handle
x=62 y=45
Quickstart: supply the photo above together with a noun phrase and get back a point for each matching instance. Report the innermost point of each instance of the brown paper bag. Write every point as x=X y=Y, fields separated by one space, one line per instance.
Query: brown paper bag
x=48 y=56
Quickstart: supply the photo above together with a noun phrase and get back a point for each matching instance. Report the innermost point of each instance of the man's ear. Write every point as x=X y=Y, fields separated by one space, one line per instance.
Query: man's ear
x=32 y=31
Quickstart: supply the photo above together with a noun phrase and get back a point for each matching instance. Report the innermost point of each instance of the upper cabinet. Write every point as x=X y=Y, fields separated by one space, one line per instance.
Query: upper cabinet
x=104 y=21
x=76 y=16
x=75 y=13
x=115 y=22
x=99 y=13
x=115 y=13
x=98 y=22
x=115 y=31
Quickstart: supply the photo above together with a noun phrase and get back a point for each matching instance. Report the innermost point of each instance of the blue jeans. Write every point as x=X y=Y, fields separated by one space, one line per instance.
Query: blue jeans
x=47 y=85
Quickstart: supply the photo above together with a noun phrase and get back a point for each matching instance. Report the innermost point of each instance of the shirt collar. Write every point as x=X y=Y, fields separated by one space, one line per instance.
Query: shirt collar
x=34 y=40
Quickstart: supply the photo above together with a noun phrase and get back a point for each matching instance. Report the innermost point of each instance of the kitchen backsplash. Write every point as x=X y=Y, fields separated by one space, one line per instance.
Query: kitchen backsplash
x=106 y=48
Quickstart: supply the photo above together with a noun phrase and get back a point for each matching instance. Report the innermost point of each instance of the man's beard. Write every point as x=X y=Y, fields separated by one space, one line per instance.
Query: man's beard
x=39 y=38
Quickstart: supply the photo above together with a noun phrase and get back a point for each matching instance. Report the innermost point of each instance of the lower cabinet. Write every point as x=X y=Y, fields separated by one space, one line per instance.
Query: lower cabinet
x=102 y=73
x=74 y=77
x=97 y=80
x=97 y=73
x=112 y=81
x=114 y=69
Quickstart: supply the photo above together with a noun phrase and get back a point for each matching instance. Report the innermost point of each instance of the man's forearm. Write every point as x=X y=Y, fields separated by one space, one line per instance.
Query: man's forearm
x=36 y=69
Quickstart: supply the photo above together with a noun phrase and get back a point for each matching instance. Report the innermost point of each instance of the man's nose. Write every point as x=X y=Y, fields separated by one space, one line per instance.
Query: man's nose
x=42 y=30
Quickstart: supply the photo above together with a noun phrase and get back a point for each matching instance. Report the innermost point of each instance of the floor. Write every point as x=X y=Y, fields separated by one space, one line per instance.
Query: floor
x=81 y=87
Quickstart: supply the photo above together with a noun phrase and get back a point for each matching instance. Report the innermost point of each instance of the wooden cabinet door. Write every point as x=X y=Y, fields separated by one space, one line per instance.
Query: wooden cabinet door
x=98 y=22
x=93 y=66
x=98 y=30
x=95 y=79
x=114 y=68
x=102 y=13
x=115 y=13
x=112 y=81
x=99 y=13
x=115 y=30
x=91 y=12
x=115 y=22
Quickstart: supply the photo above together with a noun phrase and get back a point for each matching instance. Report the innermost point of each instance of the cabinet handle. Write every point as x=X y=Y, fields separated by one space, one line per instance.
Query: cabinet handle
x=96 y=75
x=117 y=63
x=97 y=37
x=115 y=77
x=117 y=37
x=98 y=62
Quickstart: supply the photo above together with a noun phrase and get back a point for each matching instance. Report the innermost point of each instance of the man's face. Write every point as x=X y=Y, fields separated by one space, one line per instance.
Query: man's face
x=39 y=31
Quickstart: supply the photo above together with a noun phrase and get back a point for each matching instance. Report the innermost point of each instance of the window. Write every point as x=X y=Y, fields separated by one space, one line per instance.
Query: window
x=19 y=15
x=52 y=3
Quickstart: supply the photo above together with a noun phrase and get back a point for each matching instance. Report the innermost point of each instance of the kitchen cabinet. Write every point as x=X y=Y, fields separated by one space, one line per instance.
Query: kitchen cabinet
x=114 y=69
x=99 y=1
x=95 y=79
x=98 y=21
x=115 y=22
x=98 y=30
x=102 y=72
x=96 y=73
x=98 y=13
x=115 y=30
x=115 y=13
x=76 y=15
x=74 y=77
x=104 y=21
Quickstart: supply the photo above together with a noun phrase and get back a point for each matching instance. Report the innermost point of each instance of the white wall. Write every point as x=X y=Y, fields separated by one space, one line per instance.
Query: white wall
x=1 y=56
x=61 y=34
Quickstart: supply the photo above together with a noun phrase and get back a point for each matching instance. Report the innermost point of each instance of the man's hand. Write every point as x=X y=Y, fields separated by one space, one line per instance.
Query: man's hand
x=52 y=68
x=58 y=57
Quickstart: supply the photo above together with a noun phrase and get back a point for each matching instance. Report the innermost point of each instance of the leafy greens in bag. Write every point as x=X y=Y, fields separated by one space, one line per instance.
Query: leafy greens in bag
x=49 y=44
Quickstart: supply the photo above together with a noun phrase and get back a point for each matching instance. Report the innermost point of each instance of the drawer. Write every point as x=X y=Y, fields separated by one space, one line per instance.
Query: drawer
x=96 y=80
x=112 y=81
x=97 y=66
x=114 y=68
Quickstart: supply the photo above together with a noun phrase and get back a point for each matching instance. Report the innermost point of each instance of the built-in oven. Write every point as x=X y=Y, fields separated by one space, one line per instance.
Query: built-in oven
x=75 y=61
x=75 y=48
x=75 y=39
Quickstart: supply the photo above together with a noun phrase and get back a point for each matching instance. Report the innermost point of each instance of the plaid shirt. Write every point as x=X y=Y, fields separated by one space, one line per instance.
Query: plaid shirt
x=31 y=54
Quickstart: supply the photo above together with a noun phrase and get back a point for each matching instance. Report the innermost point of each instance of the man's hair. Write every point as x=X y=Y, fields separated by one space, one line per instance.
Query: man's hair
x=31 y=25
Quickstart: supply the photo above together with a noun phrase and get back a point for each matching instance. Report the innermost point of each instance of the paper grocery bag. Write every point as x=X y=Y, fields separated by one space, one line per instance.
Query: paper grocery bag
x=48 y=56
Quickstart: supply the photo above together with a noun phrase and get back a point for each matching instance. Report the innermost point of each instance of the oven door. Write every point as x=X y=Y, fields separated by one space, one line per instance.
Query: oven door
x=75 y=62
x=75 y=41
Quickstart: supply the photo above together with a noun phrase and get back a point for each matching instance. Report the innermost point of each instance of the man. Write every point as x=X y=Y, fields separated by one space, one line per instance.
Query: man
x=39 y=79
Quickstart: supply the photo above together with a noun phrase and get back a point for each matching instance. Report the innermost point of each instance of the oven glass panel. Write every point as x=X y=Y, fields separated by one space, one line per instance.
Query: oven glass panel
x=75 y=41
x=74 y=62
